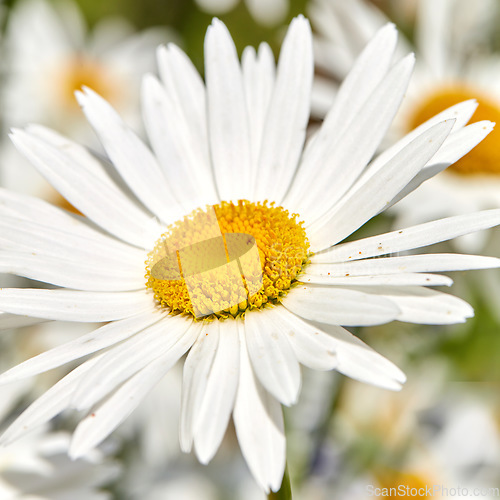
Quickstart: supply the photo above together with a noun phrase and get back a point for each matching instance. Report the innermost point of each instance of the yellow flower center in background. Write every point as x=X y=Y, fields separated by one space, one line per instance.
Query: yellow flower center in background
x=74 y=73
x=393 y=483
x=484 y=159
x=227 y=259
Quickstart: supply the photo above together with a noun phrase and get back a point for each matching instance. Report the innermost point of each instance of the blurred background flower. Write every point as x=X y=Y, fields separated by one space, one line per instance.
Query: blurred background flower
x=38 y=466
x=444 y=426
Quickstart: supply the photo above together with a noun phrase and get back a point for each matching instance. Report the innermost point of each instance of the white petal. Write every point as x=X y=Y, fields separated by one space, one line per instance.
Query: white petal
x=259 y=427
x=70 y=305
x=431 y=29
x=227 y=115
x=72 y=273
x=41 y=221
x=47 y=406
x=218 y=401
x=313 y=348
x=368 y=71
x=405 y=264
x=344 y=160
x=100 y=201
x=185 y=86
x=183 y=82
x=104 y=419
x=49 y=239
x=184 y=159
x=194 y=382
x=259 y=77
x=71 y=149
x=366 y=199
x=461 y=113
x=103 y=337
x=340 y=306
x=286 y=121
x=456 y=145
x=403 y=279
x=273 y=359
x=132 y=159
x=459 y=143
x=410 y=238
x=425 y=306
x=131 y=356
x=360 y=362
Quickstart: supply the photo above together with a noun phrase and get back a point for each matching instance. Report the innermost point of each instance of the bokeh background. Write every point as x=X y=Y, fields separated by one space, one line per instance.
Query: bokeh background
x=442 y=430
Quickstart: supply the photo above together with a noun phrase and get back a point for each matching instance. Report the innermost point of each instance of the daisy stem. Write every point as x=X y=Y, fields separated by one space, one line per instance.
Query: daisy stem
x=285 y=491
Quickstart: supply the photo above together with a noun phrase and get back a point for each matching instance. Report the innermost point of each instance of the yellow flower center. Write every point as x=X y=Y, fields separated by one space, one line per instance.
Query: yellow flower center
x=72 y=74
x=484 y=159
x=227 y=259
x=400 y=484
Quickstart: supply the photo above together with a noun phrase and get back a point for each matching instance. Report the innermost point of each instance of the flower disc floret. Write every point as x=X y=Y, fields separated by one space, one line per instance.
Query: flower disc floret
x=227 y=259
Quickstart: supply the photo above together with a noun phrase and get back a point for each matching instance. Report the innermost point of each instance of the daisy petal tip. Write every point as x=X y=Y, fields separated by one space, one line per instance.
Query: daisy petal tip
x=81 y=443
x=148 y=81
x=388 y=32
x=162 y=50
x=218 y=25
x=301 y=21
x=91 y=96
x=80 y=97
x=392 y=385
x=76 y=449
x=186 y=446
x=401 y=378
x=17 y=131
x=471 y=103
x=204 y=455
x=290 y=401
x=409 y=60
x=396 y=388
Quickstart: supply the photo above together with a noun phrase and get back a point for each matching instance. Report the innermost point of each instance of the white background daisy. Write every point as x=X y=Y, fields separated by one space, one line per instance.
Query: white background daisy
x=240 y=135
x=451 y=41
x=454 y=63
x=38 y=466
x=265 y=12
x=48 y=54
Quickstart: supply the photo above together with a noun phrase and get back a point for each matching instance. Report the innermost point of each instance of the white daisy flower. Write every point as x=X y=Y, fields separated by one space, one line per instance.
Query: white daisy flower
x=48 y=54
x=38 y=467
x=455 y=67
x=241 y=284
x=265 y=12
